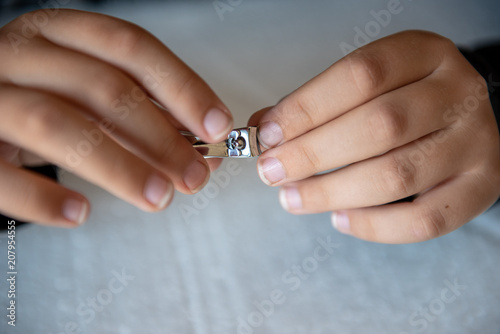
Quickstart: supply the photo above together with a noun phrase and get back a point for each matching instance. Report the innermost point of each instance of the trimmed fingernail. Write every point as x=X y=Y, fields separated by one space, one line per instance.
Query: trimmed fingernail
x=290 y=198
x=196 y=176
x=217 y=123
x=271 y=171
x=270 y=134
x=340 y=221
x=75 y=210
x=158 y=191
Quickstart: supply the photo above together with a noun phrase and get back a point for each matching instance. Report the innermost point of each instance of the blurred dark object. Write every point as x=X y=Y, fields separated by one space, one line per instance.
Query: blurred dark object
x=49 y=171
x=486 y=60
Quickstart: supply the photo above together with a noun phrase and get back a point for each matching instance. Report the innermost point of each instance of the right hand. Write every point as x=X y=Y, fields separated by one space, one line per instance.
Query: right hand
x=77 y=90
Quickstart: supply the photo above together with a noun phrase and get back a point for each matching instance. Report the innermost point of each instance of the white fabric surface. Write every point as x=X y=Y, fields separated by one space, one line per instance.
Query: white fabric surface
x=205 y=273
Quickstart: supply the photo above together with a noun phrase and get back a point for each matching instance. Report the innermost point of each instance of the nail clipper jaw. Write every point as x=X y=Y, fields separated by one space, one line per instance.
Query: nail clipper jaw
x=240 y=143
x=253 y=140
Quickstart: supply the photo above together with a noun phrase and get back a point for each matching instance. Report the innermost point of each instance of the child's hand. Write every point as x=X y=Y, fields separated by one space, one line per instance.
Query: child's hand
x=408 y=115
x=76 y=89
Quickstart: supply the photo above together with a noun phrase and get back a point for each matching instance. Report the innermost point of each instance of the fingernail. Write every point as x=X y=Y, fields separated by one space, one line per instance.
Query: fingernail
x=270 y=134
x=271 y=171
x=75 y=210
x=340 y=221
x=158 y=191
x=290 y=198
x=217 y=123
x=196 y=176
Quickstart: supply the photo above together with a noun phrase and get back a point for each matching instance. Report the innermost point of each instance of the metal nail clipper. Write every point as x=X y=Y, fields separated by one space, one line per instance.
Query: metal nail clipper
x=240 y=143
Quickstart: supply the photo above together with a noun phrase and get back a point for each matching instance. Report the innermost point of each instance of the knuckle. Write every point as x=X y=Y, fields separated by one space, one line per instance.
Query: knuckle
x=108 y=87
x=125 y=38
x=21 y=20
x=400 y=177
x=304 y=108
x=481 y=84
x=429 y=224
x=318 y=196
x=472 y=108
x=187 y=83
x=388 y=125
x=487 y=178
x=27 y=193
x=427 y=35
x=439 y=43
x=327 y=196
x=367 y=72
x=116 y=170
x=446 y=44
x=34 y=20
x=181 y=90
x=469 y=85
x=367 y=230
x=309 y=159
x=167 y=150
x=12 y=35
x=43 y=116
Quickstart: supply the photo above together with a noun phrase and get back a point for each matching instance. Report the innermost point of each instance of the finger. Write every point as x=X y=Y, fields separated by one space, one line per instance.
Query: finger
x=397 y=174
x=34 y=198
x=386 y=122
x=214 y=163
x=355 y=79
x=166 y=78
x=117 y=104
x=435 y=213
x=59 y=133
x=254 y=120
x=10 y=153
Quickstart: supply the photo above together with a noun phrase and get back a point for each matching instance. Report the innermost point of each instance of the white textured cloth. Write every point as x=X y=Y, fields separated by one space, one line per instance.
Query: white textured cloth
x=230 y=260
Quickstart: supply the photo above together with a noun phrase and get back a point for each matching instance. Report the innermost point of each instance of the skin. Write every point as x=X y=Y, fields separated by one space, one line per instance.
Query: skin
x=406 y=115
x=76 y=74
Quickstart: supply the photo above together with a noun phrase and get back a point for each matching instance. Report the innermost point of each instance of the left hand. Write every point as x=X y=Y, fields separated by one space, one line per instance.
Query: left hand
x=406 y=115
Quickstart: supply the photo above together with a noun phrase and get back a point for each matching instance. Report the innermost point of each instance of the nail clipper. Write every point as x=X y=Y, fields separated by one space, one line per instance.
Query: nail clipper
x=240 y=143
